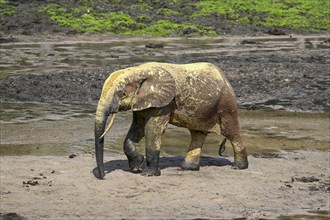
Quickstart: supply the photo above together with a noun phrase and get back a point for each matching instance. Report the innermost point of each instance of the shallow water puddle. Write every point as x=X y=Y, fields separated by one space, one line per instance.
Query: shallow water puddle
x=20 y=112
x=23 y=58
x=62 y=129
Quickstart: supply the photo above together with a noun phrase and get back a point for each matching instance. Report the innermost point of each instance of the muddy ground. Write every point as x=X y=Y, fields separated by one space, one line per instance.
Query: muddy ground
x=276 y=185
x=295 y=80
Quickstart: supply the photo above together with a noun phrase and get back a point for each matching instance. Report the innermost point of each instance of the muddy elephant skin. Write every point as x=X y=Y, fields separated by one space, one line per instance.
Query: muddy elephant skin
x=196 y=96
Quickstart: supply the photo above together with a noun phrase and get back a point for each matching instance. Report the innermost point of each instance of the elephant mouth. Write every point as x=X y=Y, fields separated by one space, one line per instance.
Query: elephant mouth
x=124 y=108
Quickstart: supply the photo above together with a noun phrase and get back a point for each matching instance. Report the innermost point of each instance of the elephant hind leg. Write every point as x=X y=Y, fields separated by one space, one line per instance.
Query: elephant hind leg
x=230 y=130
x=192 y=159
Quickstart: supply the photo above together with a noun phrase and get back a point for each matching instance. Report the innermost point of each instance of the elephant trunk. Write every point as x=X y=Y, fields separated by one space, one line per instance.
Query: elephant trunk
x=100 y=123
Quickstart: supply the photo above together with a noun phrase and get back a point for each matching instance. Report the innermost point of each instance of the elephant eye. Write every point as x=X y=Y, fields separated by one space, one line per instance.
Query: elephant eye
x=121 y=94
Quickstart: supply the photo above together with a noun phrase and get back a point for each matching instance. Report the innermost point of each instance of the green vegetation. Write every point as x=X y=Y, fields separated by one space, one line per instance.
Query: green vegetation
x=168 y=12
x=84 y=19
x=6 y=9
x=87 y=19
x=141 y=7
x=180 y=17
x=302 y=14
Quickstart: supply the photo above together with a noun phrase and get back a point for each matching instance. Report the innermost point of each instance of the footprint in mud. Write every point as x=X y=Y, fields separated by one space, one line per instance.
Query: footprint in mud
x=311 y=183
x=305 y=179
x=30 y=183
x=38 y=180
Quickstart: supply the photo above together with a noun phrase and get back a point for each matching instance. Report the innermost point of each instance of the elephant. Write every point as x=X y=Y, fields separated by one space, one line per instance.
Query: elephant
x=197 y=96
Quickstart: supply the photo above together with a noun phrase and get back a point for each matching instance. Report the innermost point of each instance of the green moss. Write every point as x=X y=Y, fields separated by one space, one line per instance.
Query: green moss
x=173 y=17
x=168 y=12
x=6 y=9
x=86 y=20
x=305 y=14
x=141 y=7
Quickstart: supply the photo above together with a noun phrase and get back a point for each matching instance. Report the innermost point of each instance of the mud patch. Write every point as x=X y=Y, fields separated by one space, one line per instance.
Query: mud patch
x=266 y=72
x=303 y=179
x=309 y=183
x=11 y=216
x=266 y=155
x=257 y=83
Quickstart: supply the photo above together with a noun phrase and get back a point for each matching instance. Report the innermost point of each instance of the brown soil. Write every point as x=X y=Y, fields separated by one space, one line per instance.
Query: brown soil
x=51 y=187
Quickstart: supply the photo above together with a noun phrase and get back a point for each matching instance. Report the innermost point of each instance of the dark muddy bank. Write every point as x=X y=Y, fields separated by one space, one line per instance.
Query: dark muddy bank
x=294 y=80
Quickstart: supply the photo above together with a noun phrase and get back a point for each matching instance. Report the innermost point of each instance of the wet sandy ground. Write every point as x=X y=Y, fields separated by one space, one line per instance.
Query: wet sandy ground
x=277 y=183
x=49 y=187
x=58 y=183
x=49 y=184
x=50 y=129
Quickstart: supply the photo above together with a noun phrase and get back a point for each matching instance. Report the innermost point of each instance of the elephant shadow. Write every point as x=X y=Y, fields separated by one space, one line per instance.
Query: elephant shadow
x=164 y=162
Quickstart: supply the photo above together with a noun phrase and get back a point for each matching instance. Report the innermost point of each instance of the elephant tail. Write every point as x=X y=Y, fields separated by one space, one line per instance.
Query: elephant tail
x=222 y=147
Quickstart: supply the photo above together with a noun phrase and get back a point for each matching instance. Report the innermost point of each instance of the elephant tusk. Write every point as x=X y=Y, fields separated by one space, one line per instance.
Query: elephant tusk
x=109 y=126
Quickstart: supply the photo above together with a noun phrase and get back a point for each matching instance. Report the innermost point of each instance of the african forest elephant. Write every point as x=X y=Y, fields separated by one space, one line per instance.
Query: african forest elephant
x=196 y=96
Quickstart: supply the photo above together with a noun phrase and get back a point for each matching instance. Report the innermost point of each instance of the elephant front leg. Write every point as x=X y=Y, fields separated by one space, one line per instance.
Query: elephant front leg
x=192 y=159
x=135 y=134
x=154 y=129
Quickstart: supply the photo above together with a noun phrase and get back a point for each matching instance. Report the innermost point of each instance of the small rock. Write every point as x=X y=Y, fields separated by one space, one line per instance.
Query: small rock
x=275 y=31
x=114 y=56
x=72 y=156
x=154 y=45
x=248 y=42
x=189 y=31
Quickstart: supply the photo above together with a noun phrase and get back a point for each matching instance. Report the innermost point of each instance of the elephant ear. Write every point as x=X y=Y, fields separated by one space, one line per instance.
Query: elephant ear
x=157 y=89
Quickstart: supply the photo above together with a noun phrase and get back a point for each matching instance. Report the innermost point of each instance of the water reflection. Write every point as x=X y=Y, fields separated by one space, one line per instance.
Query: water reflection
x=23 y=58
x=20 y=112
x=61 y=129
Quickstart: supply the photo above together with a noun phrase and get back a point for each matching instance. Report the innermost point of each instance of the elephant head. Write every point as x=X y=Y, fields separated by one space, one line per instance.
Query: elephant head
x=135 y=88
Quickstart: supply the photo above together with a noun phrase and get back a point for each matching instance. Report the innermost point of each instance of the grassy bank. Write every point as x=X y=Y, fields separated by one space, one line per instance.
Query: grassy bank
x=172 y=17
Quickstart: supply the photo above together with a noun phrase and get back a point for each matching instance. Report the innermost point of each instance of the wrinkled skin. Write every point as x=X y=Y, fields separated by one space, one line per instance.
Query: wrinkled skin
x=196 y=96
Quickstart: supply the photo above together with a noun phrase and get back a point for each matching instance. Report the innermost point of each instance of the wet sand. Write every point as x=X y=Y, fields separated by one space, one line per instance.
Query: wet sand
x=289 y=152
x=50 y=187
x=69 y=129
x=277 y=183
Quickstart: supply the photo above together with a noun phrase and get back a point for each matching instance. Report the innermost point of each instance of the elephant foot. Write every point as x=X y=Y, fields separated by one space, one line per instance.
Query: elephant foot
x=239 y=165
x=189 y=166
x=135 y=163
x=150 y=172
